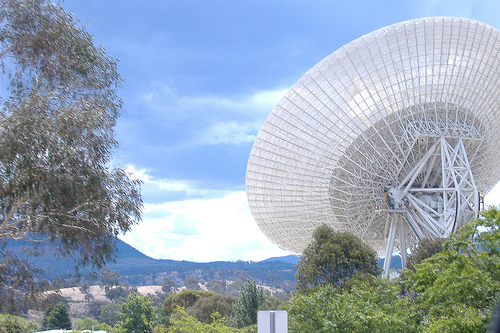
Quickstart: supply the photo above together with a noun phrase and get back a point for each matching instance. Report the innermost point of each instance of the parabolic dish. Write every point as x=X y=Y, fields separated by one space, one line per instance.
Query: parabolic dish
x=353 y=125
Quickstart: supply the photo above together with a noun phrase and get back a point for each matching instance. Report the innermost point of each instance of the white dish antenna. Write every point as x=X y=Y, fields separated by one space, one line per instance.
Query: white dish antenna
x=393 y=137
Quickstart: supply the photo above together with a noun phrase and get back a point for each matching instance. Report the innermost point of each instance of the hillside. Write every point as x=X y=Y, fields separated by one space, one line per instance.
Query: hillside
x=137 y=269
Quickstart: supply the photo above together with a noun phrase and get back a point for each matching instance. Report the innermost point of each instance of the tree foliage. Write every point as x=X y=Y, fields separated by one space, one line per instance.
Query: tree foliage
x=453 y=290
x=333 y=256
x=426 y=248
x=364 y=307
x=247 y=304
x=217 y=285
x=199 y=304
x=271 y=303
x=109 y=278
x=15 y=324
x=138 y=314
x=57 y=121
x=192 y=282
x=84 y=287
x=204 y=309
x=115 y=293
x=182 y=322
x=57 y=317
x=88 y=324
x=110 y=313
x=185 y=299
x=169 y=286
x=20 y=283
x=456 y=290
x=93 y=308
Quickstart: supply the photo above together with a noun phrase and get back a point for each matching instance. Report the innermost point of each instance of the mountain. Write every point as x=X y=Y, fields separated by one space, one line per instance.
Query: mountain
x=138 y=269
x=395 y=262
x=292 y=259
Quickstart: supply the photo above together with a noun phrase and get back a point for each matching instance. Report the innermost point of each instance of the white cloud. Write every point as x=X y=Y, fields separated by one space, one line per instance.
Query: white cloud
x=162 y=98
x=218 y=227
x=493 y=197
x=202 y=230
x=259 y=105
x=227 y=120
x=260 y=102
x=189 y=188
x=229 y=132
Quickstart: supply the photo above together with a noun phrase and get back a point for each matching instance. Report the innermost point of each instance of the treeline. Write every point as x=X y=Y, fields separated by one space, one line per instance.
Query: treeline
x=268 y=273
x=180 y=311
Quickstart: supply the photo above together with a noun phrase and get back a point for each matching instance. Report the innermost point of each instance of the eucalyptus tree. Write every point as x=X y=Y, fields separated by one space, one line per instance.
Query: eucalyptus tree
x=138 y=314
x=333 y=256
x=58 y=109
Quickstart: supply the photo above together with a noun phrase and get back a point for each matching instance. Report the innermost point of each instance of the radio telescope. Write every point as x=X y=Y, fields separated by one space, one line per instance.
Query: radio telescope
x=394 y=137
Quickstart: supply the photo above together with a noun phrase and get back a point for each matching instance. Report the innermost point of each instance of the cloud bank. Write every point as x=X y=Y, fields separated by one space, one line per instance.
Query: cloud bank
x=209 y=225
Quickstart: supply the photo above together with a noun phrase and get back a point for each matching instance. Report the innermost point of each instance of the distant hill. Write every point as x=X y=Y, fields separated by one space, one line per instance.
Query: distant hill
x=395 y=262
x=292 y=259
x=138 y=269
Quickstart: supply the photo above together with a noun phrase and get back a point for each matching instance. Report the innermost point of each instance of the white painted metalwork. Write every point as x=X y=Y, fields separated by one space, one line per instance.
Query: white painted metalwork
x=392 y=137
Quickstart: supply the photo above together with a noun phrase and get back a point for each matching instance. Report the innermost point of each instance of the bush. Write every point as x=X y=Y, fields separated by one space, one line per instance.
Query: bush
x=15 y=324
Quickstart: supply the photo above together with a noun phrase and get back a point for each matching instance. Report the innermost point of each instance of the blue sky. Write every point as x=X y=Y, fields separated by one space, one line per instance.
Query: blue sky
x=200 y=79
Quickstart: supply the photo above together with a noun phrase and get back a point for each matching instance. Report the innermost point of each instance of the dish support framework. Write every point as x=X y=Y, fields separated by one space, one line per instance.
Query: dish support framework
x=434 y=199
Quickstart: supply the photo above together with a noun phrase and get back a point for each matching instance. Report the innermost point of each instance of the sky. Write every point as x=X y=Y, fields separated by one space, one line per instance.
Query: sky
x=201 y=77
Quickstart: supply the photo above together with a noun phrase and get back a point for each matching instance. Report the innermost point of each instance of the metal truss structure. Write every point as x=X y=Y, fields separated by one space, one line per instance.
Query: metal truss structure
x=393 y=137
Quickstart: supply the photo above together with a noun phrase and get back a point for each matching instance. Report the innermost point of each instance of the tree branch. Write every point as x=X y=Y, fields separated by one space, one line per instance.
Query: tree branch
x=8 y=218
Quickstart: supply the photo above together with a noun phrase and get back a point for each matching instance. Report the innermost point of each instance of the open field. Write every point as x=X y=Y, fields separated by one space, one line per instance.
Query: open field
x=75 y=295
